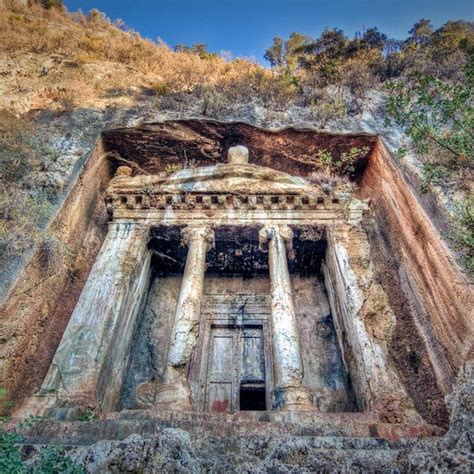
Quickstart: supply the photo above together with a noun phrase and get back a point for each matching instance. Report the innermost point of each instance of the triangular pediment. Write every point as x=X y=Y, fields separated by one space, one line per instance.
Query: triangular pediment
x=219 y=179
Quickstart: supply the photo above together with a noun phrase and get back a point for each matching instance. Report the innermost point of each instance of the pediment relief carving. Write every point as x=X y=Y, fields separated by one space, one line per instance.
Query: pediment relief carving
x=229 y=178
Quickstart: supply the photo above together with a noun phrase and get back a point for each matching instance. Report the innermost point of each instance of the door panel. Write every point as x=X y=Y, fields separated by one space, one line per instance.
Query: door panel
x=220 y=386
x=253 y=361
x=235 y=365
x=221 y=364
x=219 y=397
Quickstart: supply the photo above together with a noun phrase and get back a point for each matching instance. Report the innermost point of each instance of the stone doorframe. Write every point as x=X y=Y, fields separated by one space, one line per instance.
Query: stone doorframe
x=199 y=364
x=218 y=310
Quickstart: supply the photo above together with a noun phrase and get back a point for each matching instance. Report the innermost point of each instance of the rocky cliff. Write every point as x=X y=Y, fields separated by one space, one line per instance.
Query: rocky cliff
x=80 y=135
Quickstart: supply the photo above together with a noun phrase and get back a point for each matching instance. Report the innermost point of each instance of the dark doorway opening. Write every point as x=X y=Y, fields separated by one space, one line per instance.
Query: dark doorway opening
x=252 y=397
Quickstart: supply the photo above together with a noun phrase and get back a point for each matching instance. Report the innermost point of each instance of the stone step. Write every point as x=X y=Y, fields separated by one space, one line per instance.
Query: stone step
x=247 y=416
x=205 y=442
x=203 y=426
x=174 y=450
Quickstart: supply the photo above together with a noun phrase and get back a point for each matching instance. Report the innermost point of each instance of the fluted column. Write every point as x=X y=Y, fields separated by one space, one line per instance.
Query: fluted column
x=175 y=391
x=288 y=366
x=88 y=368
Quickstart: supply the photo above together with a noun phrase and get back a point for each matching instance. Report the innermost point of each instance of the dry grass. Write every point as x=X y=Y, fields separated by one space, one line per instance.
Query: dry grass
x=87 y=39
x=65 y=61
x=329 y=184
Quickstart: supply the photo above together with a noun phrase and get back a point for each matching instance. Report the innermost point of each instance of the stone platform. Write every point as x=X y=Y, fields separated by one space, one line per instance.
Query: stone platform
x=202 y=425
x=141 y=441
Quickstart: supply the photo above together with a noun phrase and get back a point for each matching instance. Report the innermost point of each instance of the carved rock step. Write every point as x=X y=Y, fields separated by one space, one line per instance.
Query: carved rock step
x=176 y=450
x=75 y=433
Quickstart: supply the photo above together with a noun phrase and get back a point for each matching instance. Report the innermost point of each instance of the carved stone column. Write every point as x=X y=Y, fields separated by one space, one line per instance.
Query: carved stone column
x=288 y=366
x=88 y=368
x=175 y=392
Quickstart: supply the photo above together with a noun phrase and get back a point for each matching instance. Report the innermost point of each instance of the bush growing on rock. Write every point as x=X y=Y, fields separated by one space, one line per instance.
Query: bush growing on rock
x=438 y=118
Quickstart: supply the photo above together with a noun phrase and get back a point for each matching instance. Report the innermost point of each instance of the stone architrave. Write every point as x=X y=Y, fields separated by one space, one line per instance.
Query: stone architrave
x=175 y=391
x=88 y=368
x=290 y=394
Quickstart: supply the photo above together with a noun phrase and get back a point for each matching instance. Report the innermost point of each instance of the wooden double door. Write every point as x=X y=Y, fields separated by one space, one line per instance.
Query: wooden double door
x=236 y=375
x=236 y=361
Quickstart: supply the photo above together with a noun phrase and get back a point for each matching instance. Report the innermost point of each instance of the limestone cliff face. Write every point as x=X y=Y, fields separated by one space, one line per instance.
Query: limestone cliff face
x=418 y=303
x=34 y=86
x=425 y=315
x=72 y=134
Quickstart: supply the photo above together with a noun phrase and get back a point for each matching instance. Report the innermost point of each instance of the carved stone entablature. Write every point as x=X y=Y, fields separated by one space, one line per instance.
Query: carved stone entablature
x=220 y=201
x=231 y=193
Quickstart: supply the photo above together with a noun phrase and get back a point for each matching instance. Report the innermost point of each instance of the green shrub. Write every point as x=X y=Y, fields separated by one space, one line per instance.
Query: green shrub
x=438 y=118
x=52 y=4
x=172 y=167
x=10 y=453
x=432 y=174
x=87 y=415
x=50 y=459
x=344 y=164
x=54 y=460
x=463 y=235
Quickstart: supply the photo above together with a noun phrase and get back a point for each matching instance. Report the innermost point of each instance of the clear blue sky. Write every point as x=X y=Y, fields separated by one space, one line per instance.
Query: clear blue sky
x=246 y=27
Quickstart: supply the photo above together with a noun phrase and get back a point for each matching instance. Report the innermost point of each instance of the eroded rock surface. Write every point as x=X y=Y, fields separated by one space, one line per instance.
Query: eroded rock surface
x=367 y=307
x=181 y=450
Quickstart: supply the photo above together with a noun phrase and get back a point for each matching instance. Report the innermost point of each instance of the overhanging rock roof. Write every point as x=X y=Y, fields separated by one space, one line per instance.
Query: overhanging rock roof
x=151 y=147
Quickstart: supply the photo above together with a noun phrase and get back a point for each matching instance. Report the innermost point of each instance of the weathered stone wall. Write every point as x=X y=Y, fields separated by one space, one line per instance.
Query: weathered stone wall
x=364 y=322
x=430 y=296
x=151 y=344
x=41 y=302
x=323 y=369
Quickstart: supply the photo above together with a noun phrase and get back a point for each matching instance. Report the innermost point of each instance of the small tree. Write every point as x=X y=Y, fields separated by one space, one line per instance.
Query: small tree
x=48 y=4
x=274 y=54
x=344 y=164
x=437 y=116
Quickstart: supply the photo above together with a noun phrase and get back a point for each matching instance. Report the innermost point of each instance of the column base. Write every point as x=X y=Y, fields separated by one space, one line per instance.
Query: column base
x=36 y=405
x=294 y=399
x=57 y=406
x=173 y=396
x=397 y=410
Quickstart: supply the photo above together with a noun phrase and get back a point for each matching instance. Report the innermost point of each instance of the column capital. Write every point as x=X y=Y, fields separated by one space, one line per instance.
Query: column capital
x=122 y=230
x=198 y=232
x=269 y=232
